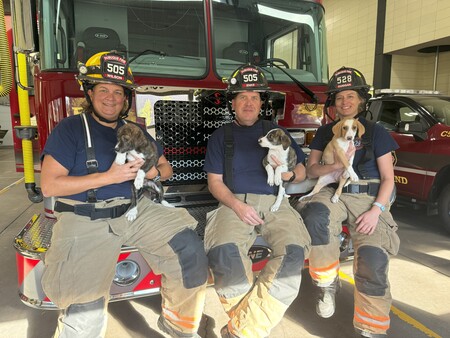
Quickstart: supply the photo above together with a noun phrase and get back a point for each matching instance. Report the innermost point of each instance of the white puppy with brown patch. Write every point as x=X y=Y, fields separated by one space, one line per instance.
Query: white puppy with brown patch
x=344 y=133
x=279 y=145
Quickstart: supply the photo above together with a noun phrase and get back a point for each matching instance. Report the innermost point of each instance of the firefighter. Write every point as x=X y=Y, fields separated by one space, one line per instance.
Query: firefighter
x=238 y=180
x=93 y=194
x=363 y=205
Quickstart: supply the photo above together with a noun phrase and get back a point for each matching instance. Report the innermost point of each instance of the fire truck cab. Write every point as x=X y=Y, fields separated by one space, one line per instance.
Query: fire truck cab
x=179 y=52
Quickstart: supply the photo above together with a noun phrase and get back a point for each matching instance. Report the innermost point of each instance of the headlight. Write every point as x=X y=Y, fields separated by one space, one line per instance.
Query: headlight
x=127 y=272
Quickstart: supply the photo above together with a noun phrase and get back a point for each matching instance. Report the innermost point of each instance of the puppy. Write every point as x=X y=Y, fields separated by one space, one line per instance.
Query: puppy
x=279 y=145
x=344 y=133
x=132 y=143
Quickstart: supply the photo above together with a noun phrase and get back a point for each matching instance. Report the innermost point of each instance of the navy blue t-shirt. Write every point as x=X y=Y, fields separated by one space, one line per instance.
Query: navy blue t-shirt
x=66 y=144
x=382 y=143
x=249 y=175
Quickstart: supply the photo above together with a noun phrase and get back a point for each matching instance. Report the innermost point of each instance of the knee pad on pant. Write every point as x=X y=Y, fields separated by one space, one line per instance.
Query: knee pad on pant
x=192 y=258
x=371 y=271
x=316 y=218
x=83 y=320
x=230 y=279
x=286 y=283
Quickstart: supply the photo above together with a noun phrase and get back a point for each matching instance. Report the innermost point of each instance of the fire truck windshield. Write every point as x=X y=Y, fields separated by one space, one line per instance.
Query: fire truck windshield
x=169 y=38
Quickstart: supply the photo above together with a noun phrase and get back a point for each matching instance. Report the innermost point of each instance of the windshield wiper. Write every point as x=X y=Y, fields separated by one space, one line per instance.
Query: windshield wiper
x=272 y=62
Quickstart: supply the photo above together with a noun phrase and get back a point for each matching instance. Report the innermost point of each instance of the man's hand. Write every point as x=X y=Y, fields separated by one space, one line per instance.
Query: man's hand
x=247 y=214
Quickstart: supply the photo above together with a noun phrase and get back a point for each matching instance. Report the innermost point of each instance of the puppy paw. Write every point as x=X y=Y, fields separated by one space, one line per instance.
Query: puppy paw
x=131 y=214
x=277 y=180
x=139 y=180
x=335 y=198
x=351 y=173
x=270 y=179
x=275 y=207
x=354 y=178
x=120 y=158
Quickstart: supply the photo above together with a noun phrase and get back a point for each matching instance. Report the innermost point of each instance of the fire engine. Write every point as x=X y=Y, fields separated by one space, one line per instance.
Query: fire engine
x=179 y=51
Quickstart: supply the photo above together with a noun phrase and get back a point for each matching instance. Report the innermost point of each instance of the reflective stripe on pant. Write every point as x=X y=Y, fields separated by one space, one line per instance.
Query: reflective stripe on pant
x=255 y=307
x=323 y=220
x=80 y=263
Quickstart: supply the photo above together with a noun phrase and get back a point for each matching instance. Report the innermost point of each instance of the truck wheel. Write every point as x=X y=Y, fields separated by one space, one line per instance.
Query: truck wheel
x=444 y=207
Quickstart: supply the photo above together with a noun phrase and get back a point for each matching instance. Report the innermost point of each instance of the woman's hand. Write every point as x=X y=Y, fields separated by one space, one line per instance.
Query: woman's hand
x=367 y=221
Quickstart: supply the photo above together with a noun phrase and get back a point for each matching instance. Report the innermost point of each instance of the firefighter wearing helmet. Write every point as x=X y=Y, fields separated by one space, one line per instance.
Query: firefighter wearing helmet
x=107 y=68
x=238 y=180
x=93 y=199
x=364 y=205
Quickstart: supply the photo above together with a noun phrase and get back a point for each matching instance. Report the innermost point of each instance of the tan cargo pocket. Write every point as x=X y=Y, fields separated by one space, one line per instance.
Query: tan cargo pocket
x=392 y=241
x=57 y=275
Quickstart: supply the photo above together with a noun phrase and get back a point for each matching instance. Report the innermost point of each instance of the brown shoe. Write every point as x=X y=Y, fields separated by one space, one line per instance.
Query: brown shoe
x=225 y=333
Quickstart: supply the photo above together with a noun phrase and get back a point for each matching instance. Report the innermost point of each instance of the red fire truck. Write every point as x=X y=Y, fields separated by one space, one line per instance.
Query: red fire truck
x=179 y=51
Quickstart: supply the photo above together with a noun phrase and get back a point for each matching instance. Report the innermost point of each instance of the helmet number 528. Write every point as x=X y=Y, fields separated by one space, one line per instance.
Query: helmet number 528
x=344 y=79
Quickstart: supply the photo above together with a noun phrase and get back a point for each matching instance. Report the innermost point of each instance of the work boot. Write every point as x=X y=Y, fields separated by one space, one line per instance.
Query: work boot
x=225 y=333
x=166 y=328
x=366 y=334
x=326 y=304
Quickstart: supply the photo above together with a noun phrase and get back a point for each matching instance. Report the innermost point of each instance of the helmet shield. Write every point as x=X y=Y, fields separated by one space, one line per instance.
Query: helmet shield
x=106 y=67
x=247 y=78
x=347 y=78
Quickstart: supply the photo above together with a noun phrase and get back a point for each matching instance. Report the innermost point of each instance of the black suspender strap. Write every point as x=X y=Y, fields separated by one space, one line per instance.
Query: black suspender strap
x=91 y=162
x=366 y=141
x=229 y=150
x=229 y=153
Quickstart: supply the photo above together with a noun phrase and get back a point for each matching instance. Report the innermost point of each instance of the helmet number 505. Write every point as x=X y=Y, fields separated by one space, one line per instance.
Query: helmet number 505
x=250 y=77
x=115 y=69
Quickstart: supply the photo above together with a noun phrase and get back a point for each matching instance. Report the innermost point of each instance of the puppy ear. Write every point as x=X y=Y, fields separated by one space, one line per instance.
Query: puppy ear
x=361 y=129
x=337 y=128
x=285 y=141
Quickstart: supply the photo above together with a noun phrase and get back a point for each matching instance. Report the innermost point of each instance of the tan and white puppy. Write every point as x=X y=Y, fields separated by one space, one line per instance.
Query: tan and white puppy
x=132 y=143
x=344 y=133
x=279 y=145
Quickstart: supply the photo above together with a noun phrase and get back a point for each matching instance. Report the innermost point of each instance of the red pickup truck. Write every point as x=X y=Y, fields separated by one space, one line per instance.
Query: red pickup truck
x=420 y=123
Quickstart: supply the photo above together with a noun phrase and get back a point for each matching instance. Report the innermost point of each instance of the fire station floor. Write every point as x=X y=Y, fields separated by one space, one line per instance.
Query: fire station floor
x=420 y=288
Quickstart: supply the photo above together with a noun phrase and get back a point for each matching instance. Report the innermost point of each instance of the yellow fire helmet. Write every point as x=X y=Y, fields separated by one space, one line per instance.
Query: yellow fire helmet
x=107 y=67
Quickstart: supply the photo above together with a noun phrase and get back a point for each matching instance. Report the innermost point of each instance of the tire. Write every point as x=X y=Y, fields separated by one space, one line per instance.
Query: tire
x=444 y=207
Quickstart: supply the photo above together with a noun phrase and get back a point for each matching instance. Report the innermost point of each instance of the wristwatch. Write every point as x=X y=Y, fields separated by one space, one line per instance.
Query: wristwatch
x=292 y=177
x=379 y=205
x=157 y=177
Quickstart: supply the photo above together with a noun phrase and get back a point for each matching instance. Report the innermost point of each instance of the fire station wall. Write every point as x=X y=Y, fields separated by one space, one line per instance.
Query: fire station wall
x=409 y=26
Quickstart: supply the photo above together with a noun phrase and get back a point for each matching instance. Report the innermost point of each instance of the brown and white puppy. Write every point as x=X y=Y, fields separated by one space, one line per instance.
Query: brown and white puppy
x=132 y=143
x=279 y=145
x=344 y=133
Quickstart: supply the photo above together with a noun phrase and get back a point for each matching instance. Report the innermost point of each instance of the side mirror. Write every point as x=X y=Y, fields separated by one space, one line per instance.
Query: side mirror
x=415 y=128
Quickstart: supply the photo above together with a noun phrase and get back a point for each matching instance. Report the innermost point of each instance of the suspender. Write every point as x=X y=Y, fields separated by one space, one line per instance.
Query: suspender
x=368 y=146
x=91 y=162
x=229 y=150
